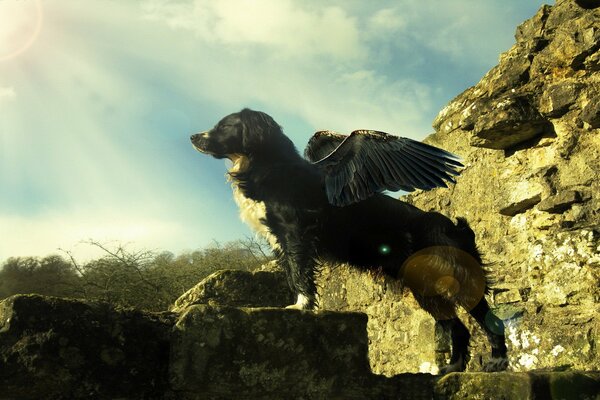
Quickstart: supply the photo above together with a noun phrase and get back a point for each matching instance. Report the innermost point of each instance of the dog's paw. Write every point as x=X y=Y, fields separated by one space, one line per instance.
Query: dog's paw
x=303 y=303
x=496 y=364
x=458 y=366
x=455 y=367
x=296 y=306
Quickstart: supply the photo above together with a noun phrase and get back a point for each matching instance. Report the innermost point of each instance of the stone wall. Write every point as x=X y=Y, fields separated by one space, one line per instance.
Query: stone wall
x=529 y=135
x=61 y=349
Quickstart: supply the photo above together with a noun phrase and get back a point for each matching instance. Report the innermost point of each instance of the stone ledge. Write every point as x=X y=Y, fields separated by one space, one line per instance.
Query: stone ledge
x=53 y=348
x=519 y=385
x=270 y=352
x=65 y=349
x=239 y=289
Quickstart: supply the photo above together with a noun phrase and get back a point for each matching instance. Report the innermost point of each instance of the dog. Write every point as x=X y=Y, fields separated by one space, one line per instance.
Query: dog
x=329 y=207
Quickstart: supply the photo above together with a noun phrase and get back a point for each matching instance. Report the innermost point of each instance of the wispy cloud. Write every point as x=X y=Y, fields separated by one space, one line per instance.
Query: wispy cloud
x=283 y=27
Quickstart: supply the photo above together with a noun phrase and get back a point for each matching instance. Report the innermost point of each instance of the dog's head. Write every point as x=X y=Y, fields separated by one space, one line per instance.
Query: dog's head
x=242 y=133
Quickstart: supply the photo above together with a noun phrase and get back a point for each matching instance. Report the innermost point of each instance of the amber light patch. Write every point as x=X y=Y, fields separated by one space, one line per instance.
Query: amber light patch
x=447 y=273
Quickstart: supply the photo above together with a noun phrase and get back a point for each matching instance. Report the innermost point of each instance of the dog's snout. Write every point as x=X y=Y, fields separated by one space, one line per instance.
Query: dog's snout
x=200 y=141
x=197 y=136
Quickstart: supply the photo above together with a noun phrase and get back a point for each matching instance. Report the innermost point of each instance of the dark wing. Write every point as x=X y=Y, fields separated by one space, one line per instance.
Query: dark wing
x=368 y=162
x=322 y=144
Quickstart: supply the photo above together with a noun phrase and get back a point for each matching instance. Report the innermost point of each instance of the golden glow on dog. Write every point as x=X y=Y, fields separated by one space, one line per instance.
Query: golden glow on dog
x=445 y=273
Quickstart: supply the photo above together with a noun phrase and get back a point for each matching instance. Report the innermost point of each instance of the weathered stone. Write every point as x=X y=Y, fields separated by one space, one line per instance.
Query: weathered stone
x=524 y=195
x=565 y=346
x=239 y=289
x=592 y=63
x=550 y=261
x=262 y=353
x=559 y=97
x=512 y=72
x=591 y=113
x=560 y=202
x=573 y=37
x=62 y=349
x=521 y=205
x=53 y=348
x=507 y=296
x=506 y=121
x=506 y=385
x=401 y=335
x=533 y=29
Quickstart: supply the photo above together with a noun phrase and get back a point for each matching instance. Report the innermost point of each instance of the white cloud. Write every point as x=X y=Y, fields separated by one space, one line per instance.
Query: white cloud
x=282 y=26
x=45 y=234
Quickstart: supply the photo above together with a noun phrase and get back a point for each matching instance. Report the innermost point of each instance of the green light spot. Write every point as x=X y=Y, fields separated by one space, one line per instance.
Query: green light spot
x=385 y=249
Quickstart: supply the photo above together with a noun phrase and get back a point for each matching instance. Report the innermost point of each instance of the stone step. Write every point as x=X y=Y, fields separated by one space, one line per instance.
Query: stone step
x=54 y=348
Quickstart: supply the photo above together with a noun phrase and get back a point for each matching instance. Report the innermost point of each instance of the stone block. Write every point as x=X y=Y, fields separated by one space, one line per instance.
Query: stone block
x=506 y=385
x=559 y=202
x=507 y=120
x=54 y=348
x=239 y=289
x=559 y=97
x=269 y=353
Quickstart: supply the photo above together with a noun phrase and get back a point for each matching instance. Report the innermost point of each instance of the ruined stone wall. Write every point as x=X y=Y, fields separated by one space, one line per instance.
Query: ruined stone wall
x=529 y=134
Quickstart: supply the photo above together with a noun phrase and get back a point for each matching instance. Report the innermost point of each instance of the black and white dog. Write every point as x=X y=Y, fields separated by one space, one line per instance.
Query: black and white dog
x=328 y=207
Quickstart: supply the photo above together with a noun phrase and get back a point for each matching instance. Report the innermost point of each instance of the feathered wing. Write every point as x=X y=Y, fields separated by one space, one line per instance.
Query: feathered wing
x=321 y=144
x=367 y=162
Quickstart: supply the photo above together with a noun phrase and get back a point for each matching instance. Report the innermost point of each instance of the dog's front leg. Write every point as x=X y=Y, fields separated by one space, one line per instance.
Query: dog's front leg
x=298 y=261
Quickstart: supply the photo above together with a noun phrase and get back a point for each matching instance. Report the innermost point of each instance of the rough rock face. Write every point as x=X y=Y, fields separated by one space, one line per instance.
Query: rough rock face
x=529 y=134
x=64 y=349
x=270 y=353
x=53 y=348
x=243 y=289
x=58 y=349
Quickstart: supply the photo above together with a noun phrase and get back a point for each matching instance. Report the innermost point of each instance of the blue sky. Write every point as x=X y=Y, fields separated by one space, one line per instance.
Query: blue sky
x=98 y=99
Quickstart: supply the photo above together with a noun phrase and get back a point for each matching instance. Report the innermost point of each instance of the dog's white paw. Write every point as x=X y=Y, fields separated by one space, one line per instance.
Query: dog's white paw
x=303 y=303
x=295 y=307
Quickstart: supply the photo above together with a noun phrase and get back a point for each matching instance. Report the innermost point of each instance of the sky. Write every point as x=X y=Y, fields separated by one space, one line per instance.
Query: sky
x=98 y=99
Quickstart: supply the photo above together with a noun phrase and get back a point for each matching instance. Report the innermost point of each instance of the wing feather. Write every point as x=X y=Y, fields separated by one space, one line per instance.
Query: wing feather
x=367 y=162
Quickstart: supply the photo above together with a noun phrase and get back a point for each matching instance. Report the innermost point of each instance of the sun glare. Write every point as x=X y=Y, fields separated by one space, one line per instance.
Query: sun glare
x=20 y=25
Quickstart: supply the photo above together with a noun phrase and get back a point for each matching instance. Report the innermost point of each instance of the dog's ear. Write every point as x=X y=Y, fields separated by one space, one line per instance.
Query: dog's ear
x=256 y=128
x=251 y=137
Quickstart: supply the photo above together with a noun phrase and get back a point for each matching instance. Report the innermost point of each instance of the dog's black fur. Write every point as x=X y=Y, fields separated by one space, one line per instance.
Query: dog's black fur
x=377 y=233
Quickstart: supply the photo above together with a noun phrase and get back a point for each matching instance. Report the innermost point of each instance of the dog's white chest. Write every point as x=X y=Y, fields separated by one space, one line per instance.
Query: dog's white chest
x=252 y=212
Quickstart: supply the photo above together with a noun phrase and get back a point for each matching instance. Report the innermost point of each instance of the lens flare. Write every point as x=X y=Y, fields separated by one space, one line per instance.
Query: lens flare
x=445 y=275
x=447 y=286
x=20 y=25
x=385 y=249
x=494 y=323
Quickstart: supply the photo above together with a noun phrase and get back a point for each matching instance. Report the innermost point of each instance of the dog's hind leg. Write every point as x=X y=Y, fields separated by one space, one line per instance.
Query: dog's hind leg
x=460 y=344
x=494 y=329
x=447 y=323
